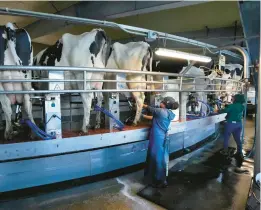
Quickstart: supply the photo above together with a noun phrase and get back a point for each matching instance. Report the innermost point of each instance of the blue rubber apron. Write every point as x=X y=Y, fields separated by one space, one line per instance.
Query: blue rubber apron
x=156 y=169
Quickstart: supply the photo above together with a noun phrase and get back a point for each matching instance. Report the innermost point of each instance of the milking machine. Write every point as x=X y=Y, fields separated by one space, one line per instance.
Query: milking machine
x=192 y=105
x=53 y=123
x=112 y=103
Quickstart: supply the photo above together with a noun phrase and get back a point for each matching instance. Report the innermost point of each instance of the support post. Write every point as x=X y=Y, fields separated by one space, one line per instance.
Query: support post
x=156 y=98
x=53 y=124
x=113 y=102
x=258 y=122
x=183 y=106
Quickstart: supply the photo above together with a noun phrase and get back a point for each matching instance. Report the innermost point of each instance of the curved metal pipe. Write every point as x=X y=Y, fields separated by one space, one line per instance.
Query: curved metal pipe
x=246 y=76
x=244 y=54
x=102 y=23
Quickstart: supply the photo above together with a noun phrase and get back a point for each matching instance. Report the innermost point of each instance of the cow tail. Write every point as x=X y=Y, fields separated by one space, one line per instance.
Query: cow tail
x=107 y=49
x=150 y=77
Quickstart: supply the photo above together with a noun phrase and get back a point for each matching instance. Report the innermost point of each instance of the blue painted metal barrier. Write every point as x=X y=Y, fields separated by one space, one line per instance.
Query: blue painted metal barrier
x=24 y=165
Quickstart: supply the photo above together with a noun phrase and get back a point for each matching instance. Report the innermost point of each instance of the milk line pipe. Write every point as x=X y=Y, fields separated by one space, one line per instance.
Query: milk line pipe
x=118 y=81
x=112 y=81
x=258 y=119
x=246 y=76
x=104 y=91
x=245 y=57
x=103 y=70
x=126 y=28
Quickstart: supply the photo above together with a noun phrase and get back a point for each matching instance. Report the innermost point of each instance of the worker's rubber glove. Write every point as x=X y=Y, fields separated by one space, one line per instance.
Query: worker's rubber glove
x=143 y=111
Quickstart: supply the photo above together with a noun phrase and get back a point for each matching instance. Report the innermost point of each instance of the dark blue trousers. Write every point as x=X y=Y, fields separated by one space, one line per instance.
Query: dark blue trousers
x=235 y=129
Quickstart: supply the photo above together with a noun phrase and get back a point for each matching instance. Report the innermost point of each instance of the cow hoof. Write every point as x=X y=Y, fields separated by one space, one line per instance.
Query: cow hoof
x=134 y=124
x=9 y=136
x=83 y=133
x=32 y=136
x=97 y=126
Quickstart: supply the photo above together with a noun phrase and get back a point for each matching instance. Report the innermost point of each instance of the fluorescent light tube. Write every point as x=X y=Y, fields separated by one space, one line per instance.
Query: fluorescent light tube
x=182 y=55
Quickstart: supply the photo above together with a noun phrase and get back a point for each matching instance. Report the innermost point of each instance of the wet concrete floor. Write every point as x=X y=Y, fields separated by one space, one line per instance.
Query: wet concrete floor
x=119 y=193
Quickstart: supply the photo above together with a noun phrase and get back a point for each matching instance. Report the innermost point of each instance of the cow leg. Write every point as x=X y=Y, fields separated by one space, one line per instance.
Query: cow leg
x=28 y=105
x=7 y=109
x=98 y=114
x=139 y=98
x=87 y=103
x=29 y=111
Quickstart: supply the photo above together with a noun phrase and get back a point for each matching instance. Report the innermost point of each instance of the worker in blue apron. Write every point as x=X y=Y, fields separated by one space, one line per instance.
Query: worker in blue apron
x=233 y=126
x=156 y=169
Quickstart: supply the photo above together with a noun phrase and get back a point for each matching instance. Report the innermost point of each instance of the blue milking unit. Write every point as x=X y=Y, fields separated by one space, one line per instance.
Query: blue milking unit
x=36 y=163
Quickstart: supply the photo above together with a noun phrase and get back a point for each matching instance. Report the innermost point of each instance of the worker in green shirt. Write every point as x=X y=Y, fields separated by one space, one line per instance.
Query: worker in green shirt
x=234 y=125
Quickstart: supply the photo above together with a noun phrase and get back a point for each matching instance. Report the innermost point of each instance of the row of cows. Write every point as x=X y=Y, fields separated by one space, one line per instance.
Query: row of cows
x=90 y=49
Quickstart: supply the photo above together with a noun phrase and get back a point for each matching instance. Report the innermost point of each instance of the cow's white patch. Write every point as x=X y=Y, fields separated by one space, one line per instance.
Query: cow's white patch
x=129 y=56
x=11 y=58
x=76 y=53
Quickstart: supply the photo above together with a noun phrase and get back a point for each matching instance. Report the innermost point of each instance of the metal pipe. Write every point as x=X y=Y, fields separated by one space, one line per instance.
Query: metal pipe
x=258 y=121
x=245 y=57
x=181 y=82
x=103 y=90
x=126 y=28
x=188 y=68
x=98 y=70
x=112 y=81
x=246 y=76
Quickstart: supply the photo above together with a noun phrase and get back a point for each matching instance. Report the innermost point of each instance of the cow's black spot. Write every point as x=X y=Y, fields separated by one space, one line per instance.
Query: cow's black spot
x=34 y=61
x=146 y=60
x=23 y=46
x=110 y=51
x=227 y=71
x=10 y=34
x=53 y=53
x=96 y=45
x=238 y=71
x=232 y=73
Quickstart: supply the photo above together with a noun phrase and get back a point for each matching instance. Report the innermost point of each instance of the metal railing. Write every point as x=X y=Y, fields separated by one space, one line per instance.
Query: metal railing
x=183 y=81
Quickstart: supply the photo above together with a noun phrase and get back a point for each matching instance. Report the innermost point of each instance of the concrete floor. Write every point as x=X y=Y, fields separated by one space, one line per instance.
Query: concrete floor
x=116 y=193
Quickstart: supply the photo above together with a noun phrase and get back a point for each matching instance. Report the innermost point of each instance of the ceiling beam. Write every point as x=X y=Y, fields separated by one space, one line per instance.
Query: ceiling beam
x=104 y=10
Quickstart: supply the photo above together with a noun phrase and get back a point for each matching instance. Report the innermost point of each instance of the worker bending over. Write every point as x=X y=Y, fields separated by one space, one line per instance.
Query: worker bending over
x=234 y=125
x=156 y=169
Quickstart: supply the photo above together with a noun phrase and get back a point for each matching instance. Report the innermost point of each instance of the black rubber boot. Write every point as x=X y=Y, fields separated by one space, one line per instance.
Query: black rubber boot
x=160 y=184
x=239 y=159
x=226 y=157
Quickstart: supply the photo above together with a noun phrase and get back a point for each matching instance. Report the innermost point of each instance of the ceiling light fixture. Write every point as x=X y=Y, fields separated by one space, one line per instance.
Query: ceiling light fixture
x=182 y=55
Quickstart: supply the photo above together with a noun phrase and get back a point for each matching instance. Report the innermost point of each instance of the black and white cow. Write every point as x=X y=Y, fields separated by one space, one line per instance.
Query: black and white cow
x=135 y=56
x=198 y=69
x=232 y=71
x=15 y=49
x=90 y=49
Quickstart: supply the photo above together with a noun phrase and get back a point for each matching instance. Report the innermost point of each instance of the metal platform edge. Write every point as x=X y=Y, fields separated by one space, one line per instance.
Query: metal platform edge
x=34 y=149
x=37 y=171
